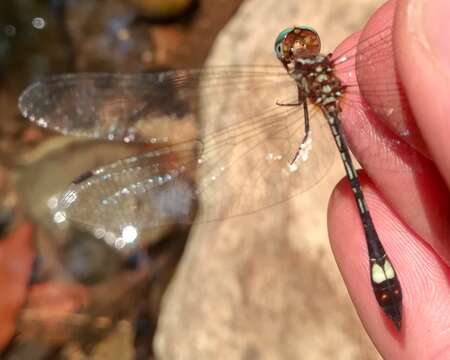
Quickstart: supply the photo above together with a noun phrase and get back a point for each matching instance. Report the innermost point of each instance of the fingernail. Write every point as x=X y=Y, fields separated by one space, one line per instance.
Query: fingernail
x=430 y=22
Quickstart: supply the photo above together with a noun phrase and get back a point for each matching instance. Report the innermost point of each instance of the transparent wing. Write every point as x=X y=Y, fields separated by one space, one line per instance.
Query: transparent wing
x=237 y=164
x=359 y=67
x=226 y=173
x=139 y=107
x=384 y=132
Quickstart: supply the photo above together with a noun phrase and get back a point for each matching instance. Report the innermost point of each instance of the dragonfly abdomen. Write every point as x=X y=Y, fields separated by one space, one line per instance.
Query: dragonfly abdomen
x=384 y=280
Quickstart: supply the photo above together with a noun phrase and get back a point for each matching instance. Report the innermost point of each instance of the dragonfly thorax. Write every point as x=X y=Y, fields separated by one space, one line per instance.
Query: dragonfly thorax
x=315 y=78
x=298 y=49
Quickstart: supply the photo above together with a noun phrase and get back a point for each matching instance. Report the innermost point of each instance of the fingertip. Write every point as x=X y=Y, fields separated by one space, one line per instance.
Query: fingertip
x=423 y=276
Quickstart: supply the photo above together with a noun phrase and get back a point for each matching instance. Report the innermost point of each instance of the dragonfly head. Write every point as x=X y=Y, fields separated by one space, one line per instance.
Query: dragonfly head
x=296 y=42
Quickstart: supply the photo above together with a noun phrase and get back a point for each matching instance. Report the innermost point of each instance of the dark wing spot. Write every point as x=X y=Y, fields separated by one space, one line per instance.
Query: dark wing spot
x=83 y=177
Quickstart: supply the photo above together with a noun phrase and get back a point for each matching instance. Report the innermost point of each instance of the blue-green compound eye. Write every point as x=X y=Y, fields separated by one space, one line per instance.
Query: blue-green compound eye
x=302 y=36
x=279 y=41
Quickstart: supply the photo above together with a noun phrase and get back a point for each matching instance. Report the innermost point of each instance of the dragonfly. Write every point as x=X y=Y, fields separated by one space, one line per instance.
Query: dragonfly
x=259 y=156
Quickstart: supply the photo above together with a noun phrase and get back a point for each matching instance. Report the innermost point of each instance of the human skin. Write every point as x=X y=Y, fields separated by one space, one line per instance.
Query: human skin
x=407 y=192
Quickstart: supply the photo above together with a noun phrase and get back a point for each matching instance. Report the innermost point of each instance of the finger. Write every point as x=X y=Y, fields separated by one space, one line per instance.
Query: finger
x=424 y=278
x=408 y=180
x=423 y=58
x=375 y=72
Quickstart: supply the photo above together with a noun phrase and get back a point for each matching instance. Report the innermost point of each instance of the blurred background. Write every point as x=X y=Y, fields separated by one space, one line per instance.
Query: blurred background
x=263 y=286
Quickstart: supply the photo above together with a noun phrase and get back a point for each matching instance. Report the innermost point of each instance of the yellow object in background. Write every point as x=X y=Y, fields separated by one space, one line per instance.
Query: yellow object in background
x=160 y=8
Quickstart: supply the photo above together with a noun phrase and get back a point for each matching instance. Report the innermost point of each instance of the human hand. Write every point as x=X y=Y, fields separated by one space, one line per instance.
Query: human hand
x=411 y=206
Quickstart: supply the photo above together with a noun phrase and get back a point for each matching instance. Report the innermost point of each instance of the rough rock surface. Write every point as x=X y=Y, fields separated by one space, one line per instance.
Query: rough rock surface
x=265 y=286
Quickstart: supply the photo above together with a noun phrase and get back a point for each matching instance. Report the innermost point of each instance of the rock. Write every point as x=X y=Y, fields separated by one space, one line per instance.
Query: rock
x=265 y=286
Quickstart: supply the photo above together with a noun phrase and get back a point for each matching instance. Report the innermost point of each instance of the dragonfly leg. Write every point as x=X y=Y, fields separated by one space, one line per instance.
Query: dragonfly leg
x=307 y=132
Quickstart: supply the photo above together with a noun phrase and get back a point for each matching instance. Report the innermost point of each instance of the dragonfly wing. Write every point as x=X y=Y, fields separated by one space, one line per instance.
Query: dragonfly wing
x=227 y=174
x=384 y=133
x=119 y=202
x=238 y=163
x=109 y=106
x=139 y=107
